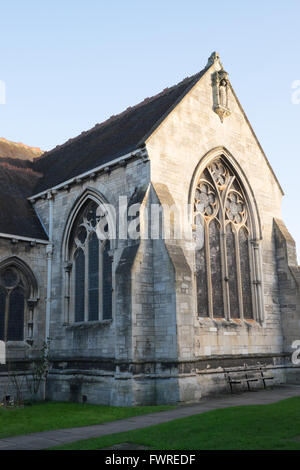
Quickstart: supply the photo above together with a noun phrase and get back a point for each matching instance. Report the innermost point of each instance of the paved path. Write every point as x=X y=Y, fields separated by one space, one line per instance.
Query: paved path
x=46 y=439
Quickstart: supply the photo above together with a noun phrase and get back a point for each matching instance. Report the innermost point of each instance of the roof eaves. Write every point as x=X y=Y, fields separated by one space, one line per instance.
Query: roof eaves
x=173 y=106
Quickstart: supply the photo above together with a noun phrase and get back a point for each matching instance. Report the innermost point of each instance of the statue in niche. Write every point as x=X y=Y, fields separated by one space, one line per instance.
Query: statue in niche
x=223 y=93
x=221 y=88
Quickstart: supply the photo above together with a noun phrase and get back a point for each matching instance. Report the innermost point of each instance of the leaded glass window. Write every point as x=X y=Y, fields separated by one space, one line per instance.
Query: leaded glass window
x=92 y=267
x=93 y=284
x=223 y=257
x=13 y=293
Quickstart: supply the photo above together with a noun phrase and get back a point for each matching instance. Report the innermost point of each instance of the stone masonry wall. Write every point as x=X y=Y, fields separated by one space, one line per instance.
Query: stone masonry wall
x=289 y=293
x=93 y=349
x=156 y=349
x=19 y=354
x=178 y=147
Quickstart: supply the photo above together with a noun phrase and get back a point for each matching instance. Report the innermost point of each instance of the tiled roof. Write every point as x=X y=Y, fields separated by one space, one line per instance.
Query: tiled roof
x=17 y=216
x=23 y=172
x=111 y=139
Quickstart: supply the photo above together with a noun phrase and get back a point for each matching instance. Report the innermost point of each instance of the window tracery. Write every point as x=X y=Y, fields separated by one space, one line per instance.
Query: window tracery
x=15 y=303
x=92 y=267
x=223 y=259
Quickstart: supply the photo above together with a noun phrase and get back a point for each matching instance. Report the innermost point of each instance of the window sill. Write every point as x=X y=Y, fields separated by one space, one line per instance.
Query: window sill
x=88 y=324
x=17 y=345
x=233 y=322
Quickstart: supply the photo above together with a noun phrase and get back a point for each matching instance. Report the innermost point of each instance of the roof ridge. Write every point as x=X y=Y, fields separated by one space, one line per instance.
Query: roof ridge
x=115 y=117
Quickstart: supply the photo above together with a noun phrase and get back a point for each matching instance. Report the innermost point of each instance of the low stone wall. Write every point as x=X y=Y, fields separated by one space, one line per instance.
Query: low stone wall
x=131 y=384
x=14 y=387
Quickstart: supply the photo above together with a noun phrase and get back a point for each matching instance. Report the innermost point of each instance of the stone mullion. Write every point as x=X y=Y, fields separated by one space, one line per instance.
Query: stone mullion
x=100 y=297
x=67 y=296
x=86 y=280
x=255 y=297
x=257 y=312
x=208 y=270
x=113 y=282
x=224 y=260
x=72 y=294
x=238 y=273
x=225 y=277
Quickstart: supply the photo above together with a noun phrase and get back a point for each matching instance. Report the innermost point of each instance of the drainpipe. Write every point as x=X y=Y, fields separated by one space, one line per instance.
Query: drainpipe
x=49 y=251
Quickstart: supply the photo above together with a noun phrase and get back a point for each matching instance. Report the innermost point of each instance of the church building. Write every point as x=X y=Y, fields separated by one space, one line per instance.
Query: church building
x=149 y=252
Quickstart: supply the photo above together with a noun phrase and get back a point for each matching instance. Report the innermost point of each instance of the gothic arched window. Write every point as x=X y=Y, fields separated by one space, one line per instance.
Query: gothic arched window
x=13 y=294
x=91 y=289
x=222 y=227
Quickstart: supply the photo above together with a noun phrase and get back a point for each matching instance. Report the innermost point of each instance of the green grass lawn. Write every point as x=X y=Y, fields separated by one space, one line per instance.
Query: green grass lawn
x=46 y=416
x=238 y=428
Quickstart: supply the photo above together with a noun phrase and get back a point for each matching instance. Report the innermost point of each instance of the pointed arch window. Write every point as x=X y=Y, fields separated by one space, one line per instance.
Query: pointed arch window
x=224 y=256
x=13 y=294
x=91 y=278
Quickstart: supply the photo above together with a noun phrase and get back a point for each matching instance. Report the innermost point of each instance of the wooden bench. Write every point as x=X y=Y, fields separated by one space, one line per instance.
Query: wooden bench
x=247 y=375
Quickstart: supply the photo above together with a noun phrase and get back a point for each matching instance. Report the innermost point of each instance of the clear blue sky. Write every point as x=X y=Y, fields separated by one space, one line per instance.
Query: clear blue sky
x=70 y=64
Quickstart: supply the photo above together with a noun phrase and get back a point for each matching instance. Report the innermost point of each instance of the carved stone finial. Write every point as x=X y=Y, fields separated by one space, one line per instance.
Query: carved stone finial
x=213 y=58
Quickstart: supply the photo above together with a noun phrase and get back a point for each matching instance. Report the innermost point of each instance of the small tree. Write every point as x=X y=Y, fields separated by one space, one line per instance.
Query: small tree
x=16 y=380
x=39 y=371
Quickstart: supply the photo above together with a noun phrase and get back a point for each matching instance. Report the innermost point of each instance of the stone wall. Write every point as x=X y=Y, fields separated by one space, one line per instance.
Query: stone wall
x=156 y=349
x=19 y=354
x=179 y=149
x=289 y=293
x=86 y=356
